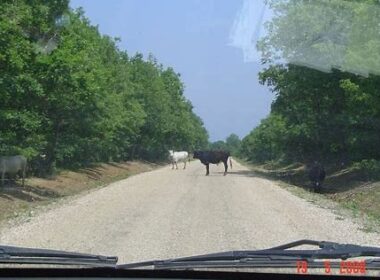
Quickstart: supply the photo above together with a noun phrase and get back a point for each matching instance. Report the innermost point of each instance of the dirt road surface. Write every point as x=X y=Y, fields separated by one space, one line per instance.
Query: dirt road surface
x=171 y=213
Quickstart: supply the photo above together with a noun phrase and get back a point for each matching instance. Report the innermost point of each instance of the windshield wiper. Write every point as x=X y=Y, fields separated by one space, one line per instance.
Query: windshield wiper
x=279 y=256
x=20 y=255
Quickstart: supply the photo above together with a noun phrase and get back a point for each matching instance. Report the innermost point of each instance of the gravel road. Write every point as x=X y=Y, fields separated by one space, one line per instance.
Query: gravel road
x=171 y=213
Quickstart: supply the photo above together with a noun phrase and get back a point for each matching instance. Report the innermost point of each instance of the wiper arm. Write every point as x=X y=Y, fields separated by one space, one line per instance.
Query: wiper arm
x=328 y=250
x=20 y=255
x=279 y=256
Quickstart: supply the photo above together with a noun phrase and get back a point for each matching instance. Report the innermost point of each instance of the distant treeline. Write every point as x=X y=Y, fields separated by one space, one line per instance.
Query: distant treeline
x=327 y=95
x=232 y=144
x=69 y=93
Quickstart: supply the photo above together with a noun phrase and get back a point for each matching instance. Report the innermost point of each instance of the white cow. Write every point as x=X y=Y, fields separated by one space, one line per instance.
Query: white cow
x=176 y=157
x=13 y=165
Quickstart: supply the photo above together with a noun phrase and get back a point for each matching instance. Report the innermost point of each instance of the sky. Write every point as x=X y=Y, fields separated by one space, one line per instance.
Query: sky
x=209 y=42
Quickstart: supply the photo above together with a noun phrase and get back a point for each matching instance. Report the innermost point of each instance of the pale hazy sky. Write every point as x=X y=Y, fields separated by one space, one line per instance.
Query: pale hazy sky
x=210 y=42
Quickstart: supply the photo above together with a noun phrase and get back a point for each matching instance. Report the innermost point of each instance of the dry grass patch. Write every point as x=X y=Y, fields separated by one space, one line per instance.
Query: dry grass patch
x=16 y=200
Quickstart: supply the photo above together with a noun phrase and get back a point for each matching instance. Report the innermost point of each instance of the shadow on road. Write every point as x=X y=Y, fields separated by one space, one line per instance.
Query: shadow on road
x=246 y=173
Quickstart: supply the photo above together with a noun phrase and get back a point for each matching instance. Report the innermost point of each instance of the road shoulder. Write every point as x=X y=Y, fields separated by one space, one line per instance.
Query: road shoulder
x=366 y=222
x=20 y=204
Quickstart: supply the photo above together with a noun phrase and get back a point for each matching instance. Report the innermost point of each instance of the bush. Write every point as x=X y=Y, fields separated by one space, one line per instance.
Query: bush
x=370 y=168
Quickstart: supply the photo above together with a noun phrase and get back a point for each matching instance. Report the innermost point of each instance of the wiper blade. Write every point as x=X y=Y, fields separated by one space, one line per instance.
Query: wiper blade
x=21 y=255
x=279 y=256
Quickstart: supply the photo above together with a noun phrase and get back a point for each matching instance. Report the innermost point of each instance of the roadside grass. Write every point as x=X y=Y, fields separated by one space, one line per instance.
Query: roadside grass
x=23 y=202
x=346 y=191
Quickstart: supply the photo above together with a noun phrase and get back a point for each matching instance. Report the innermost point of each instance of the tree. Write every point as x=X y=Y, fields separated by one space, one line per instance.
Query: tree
x=25 y=26
x=324 y=34
x=218 y=145
x=266 y=142
x=326 y=91
x=233 y=144
x=70 y=93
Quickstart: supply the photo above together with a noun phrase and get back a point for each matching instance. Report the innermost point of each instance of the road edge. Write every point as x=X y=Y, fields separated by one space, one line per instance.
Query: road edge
x=365 y=222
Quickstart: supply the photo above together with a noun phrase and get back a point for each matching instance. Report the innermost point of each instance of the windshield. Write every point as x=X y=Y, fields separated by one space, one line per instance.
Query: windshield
x=162 y=129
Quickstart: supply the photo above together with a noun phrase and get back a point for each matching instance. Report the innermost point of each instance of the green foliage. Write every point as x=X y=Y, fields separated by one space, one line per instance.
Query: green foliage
x=218 y=145
x=231 y=144
x=370 y=168
x=170 y=122
x=69 y=93
x=266 y=142
x=327 y=102
x=324 y=34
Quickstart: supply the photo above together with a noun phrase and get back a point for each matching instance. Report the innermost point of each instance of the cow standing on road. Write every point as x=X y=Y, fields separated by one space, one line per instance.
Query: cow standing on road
x=12 y=165
x=176 y=157
x=214 y=157
x=317 y=175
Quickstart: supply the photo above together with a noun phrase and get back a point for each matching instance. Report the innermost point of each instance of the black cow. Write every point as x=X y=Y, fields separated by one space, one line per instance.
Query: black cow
x=317 y=175
x=214 y=157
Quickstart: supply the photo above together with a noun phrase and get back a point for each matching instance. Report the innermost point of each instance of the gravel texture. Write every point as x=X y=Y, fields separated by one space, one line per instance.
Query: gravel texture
x=171 y=213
